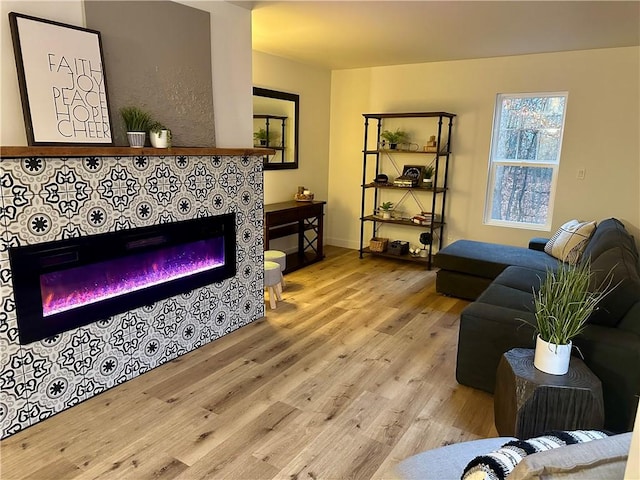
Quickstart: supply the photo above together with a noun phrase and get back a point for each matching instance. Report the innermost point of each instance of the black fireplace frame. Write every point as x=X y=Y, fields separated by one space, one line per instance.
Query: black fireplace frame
x=29 y=262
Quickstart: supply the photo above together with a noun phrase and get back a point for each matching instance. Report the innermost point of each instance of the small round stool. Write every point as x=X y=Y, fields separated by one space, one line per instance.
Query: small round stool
x=273 y=282
x=278 y=257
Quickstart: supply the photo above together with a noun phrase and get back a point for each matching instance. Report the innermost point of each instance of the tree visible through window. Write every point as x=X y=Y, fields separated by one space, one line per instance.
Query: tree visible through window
x=524 y=159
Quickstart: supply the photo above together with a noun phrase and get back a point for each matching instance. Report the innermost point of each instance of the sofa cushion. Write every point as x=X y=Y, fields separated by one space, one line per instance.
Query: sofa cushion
x=498 y=464
x=605 y=458
x=488 y=260
x=521 y=278
x=568 y=243
x=507 y=297
x=609 y=233
x=622 y=264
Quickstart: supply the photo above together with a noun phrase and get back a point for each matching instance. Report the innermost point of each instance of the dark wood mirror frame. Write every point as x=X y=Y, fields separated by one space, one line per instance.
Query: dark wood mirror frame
x=287 y=144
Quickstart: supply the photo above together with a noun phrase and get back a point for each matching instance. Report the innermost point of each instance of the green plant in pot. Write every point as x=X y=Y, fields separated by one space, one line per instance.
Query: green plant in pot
x=262 y=137
x=137 y=123
x=159 y=135
x=385 y=210
x=428 y=175
x=394 y=138
x=563 y=305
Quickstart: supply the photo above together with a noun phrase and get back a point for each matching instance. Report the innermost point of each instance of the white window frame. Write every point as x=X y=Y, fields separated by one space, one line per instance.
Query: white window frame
x=494 y=163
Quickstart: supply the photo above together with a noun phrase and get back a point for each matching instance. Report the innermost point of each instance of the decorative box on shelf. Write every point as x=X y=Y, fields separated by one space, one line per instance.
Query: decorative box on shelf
x=378 y=244
x=398 y=247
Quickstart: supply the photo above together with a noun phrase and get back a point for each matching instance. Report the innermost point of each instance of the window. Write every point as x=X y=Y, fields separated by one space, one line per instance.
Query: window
x=524 y=159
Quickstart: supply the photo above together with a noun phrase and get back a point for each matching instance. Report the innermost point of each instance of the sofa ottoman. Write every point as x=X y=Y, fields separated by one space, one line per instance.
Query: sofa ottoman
x=467 y=267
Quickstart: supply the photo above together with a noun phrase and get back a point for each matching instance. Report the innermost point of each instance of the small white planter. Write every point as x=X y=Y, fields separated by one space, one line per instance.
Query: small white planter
x=136 y=139
x=552 y=358
x=386 y=215
x=160 y=139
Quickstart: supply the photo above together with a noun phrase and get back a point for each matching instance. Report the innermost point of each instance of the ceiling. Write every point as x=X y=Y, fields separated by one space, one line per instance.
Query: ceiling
x=352 y=34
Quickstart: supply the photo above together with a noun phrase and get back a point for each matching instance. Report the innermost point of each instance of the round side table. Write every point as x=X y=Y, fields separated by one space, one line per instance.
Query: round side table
x=528 y=402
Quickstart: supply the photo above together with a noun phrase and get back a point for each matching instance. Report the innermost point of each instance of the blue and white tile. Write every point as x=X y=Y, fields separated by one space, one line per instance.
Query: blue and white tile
x=34 y=171
x=162 y=183
x=14 y=413
x=90 y=170
x=119 y=186
x=95 y=216
x=65 y=192
x=109 y=360
x=37 y=223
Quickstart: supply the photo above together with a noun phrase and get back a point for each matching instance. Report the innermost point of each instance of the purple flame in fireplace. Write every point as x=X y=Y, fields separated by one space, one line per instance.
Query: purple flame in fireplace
x=72 y=288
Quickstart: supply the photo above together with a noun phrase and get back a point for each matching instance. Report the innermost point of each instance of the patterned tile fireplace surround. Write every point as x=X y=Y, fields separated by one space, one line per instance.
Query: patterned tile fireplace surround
x=51 y=194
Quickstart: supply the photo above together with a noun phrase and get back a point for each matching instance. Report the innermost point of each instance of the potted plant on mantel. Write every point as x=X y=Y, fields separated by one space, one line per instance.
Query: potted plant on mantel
x=394 y=138
x=137 y=124
x=159 y=135
x=562 y=307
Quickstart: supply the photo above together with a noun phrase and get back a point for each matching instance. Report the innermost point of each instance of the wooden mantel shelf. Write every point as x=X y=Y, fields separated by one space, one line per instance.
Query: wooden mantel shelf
x=71 y=151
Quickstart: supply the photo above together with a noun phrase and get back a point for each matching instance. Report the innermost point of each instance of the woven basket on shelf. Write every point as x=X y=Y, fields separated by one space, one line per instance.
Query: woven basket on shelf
x=378 y=244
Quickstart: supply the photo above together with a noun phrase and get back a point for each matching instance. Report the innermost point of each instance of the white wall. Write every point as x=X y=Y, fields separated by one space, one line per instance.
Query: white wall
x=601 y=134
x=314 y=87
x=231 y=65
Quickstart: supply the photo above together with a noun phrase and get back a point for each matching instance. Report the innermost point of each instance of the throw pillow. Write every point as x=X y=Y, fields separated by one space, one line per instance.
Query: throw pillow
x=568 y=243
x=497 y=465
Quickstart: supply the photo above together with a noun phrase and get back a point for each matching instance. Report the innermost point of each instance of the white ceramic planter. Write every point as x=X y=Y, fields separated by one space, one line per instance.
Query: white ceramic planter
x=552 y=358
x=136 y=139
x=159 y=139
x=386 y=215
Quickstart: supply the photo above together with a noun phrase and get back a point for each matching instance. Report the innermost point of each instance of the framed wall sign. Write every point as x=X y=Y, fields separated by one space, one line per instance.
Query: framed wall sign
x=62 y=82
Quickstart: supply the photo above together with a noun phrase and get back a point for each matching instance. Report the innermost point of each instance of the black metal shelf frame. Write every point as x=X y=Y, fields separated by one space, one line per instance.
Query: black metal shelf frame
x=442 y=154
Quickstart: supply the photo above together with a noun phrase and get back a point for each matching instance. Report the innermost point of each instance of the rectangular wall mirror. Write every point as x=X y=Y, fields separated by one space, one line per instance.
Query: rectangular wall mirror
x=275 y=126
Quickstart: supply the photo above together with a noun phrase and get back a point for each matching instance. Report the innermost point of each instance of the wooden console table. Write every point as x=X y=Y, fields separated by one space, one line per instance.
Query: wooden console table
x=303 y=219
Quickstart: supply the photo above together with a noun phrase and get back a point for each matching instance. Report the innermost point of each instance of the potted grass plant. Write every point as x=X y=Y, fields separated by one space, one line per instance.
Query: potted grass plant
x=429 y=170
x=137 y=123
x=394 y=138
x=385 y=210
x=562 y=307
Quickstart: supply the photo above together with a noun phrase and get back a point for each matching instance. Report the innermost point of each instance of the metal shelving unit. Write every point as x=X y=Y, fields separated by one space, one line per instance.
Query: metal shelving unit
x=373 y=123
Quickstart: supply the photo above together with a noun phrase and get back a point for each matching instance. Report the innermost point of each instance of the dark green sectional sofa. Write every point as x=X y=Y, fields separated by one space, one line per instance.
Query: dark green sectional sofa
x=501 y=280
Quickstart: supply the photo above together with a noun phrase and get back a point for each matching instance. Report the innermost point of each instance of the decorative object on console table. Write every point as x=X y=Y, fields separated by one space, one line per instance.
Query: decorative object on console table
x=303 y=195
x=137 y=122
x=528 y=402
x=62 y=82
x=562 y=307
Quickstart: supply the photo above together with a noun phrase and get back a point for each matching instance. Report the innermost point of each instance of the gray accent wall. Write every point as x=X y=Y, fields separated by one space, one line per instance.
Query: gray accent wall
x=157 y=56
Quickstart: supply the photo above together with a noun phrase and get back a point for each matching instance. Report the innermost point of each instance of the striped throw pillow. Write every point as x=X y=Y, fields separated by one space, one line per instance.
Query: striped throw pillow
x=570 y=240
x=497 y=465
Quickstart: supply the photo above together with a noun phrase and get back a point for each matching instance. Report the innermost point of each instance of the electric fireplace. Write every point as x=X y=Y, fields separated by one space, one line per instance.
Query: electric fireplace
x=70 y=283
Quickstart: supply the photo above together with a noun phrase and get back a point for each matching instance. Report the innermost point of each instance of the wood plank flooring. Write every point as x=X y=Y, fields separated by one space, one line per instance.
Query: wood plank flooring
x=352 y=372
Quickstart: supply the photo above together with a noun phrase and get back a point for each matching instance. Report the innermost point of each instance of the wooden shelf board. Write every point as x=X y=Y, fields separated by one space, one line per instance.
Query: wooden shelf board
x=408 y=223
x=96 y=151
x=391 y=186
x=409 y=115
x=406 y=257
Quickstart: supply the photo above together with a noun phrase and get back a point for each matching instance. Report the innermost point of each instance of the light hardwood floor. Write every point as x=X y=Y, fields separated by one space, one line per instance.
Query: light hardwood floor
x=351 y=373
